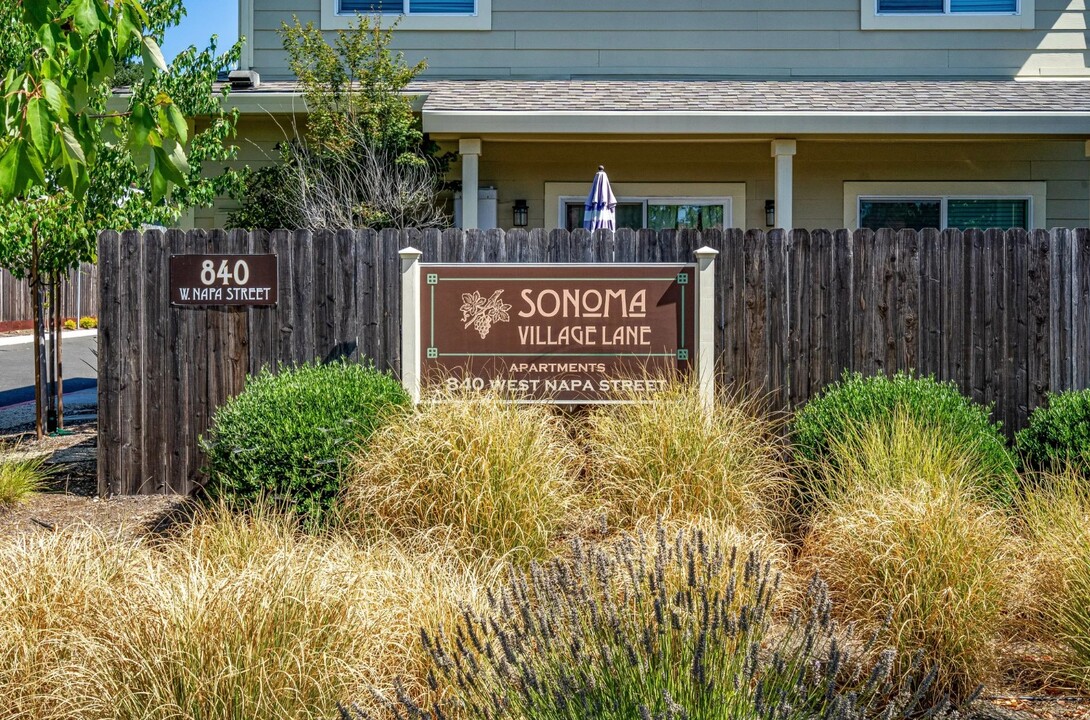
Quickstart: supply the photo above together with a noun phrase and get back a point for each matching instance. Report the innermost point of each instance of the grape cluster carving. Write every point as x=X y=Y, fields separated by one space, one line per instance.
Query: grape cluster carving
x=481 y=313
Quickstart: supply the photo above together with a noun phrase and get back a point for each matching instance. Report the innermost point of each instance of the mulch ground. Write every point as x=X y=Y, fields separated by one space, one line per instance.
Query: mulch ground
x=71 y=498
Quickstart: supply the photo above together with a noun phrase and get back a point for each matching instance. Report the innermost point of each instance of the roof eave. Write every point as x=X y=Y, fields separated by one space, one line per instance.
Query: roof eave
x=461 y=122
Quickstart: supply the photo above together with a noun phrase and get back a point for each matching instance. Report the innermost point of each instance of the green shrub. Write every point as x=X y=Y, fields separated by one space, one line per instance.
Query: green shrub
x=289 y=437
x=678 y=628
x=1058 y=434
x=841 y=414
x=88 y=322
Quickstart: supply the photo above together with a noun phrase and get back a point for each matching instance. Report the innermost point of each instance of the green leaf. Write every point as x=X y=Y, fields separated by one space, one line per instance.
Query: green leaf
x=159 y=182
x=41 y=125
x=71 y=145
x=9 y=161
x=47 y=39
x=54 y=96
x=167 y=164
x=152 y=55
x=31 y=172
x=84 y=14
x=177 y=121
x=141 y=124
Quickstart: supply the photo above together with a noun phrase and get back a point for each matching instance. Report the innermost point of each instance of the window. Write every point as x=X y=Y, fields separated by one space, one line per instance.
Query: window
x=411 y=14
x=653 y=205
x=409 y=7
x=947 y=14
x=945 y=7
x=944 y=212
x=945 y=203
x=658 y=213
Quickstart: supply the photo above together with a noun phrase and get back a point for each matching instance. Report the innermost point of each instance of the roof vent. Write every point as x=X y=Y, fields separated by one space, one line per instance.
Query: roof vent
x=244 y=80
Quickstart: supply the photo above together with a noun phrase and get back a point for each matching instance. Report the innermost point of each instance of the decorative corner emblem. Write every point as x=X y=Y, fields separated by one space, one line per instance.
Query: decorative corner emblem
x=481 y=313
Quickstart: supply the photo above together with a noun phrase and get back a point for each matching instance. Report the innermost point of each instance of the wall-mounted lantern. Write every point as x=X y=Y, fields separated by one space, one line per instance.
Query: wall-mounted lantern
x=770 y=212
x=522 y=214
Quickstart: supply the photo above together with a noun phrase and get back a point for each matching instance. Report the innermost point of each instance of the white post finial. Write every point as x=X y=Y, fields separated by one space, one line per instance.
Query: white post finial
x=410 y=321
x=705 y=325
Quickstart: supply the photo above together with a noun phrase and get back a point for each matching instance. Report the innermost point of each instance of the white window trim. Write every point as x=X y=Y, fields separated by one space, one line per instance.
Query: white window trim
x=332 y=19
x=870 y=19
x=731 y=195
x=1017 y=190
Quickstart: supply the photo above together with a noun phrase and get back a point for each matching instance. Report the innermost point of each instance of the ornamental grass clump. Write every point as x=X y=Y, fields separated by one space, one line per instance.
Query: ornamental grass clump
x=289 y=437
x=672 y=627
x=921 y=542
x=232 y=616
x=59 y=596
x=245 y=617
x=845 y=410
x=493 y=476
x=21 y=475
x=1057 y=515
x=665 y=456
x=899 y=452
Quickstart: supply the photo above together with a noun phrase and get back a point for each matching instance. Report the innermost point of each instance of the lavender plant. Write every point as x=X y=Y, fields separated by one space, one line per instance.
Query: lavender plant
x=656 y=629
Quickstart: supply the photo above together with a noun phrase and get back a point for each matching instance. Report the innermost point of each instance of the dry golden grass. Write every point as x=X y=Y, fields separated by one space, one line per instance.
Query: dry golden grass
x=1057 y=517
x=901 y=451
x=920 y=542
x=496 y=477
x=236 y=617
x=665 y=457
x=58 y=597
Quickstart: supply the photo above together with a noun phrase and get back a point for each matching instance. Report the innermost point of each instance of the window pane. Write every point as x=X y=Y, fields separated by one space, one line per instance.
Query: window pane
x=684 y=217
x=448 y=7
x=393 y=7
x=992 y=213
x=898 y=214
x=910 y=6
x=629 y=215
x=984 y=6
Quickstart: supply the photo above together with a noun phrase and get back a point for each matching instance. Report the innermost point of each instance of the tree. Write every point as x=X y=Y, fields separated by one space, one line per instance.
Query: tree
x=364 y=159
x=71 y=161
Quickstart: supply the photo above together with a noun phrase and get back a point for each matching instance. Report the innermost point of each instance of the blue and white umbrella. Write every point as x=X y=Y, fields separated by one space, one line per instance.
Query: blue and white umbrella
x=600 y=210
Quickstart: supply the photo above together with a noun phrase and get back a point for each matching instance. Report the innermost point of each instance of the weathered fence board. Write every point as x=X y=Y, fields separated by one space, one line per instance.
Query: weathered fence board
x=1004 y=315
x=79 y=297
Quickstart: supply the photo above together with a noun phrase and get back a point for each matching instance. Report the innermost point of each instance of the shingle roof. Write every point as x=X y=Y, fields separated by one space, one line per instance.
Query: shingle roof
x=734 y=96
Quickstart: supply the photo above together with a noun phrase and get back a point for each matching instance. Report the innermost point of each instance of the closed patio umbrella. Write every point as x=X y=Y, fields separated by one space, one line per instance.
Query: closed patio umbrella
x=600 y=210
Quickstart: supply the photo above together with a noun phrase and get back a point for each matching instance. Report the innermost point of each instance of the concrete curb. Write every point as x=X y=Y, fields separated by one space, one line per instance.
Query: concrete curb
x=29 y=338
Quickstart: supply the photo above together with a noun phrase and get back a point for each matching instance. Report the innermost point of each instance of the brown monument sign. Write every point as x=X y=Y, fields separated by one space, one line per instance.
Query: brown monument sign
x=223 y=279
x=559 y=333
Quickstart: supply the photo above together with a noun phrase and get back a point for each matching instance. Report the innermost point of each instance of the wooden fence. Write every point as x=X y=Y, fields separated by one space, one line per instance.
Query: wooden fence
x=1006 y=315
x=79 y=297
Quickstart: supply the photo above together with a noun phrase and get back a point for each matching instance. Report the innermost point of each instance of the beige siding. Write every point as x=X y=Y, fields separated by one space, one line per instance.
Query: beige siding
x=519 y=170
x=601 y=38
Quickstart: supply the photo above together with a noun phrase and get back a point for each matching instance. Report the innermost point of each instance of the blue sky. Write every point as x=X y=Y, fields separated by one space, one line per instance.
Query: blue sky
x=204 y=18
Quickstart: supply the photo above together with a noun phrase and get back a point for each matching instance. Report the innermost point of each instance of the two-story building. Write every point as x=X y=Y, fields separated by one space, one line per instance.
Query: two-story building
x=743 y=113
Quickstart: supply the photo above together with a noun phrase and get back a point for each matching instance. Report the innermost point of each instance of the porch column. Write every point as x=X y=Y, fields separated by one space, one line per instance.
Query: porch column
x=784 y=151
x=470 y=150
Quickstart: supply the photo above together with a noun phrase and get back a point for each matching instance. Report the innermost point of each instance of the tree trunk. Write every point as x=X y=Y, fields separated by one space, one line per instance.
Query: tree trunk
x=51 y=360
x=39 y=335
x=58 y=322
